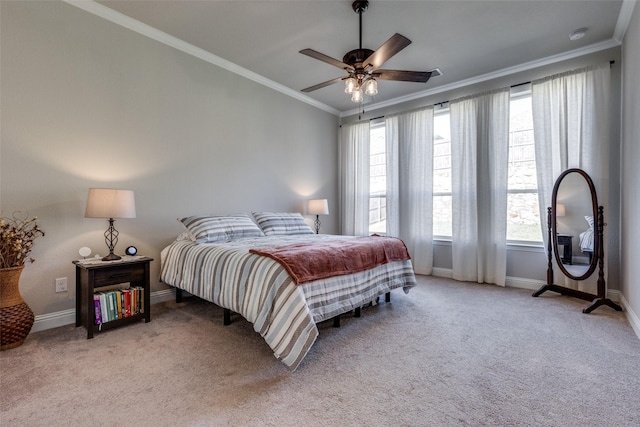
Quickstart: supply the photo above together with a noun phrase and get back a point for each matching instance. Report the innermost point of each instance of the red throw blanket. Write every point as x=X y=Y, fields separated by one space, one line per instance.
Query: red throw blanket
x=318 y=260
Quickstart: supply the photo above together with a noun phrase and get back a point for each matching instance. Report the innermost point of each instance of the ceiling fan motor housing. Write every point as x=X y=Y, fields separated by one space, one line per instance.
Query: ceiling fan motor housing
x=356 y=56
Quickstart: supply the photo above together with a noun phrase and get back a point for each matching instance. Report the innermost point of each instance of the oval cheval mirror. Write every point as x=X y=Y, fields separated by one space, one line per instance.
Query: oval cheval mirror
x=575 y=225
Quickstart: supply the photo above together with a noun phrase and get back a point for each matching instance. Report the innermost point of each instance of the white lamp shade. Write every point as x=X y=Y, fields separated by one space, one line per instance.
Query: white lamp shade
x=318 y=207
x=560 y=210
x=110 y=203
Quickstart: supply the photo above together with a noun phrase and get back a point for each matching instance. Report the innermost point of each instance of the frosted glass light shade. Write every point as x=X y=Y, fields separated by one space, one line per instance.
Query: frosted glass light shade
x=371 y=87
x=318 y=207
x=560 y=210
x=110 y=203
x=350 y=85
x=356 y=96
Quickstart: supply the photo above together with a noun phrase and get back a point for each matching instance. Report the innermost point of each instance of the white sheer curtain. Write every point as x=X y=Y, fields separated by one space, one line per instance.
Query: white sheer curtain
x=479 y=160
x=409 y=149
x=571 y=130
x=354 y=152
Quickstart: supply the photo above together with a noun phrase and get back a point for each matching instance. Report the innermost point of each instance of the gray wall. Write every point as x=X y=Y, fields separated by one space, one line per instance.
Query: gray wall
x=87 y=103
x=528 y=265
x=630 y=171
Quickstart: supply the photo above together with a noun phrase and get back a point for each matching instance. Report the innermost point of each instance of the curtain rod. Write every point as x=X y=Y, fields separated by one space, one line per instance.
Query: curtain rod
x=441 y=104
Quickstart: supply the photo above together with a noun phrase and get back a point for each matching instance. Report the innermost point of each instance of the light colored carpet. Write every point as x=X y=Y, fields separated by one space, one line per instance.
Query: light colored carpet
x=448 y=353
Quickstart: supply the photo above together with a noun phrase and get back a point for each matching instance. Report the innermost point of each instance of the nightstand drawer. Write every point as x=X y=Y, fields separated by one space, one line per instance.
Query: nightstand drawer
x=121 y=274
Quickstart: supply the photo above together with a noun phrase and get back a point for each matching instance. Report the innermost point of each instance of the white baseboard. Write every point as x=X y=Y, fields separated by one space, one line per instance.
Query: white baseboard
x=54 y=320
x=68 y=317
x=633 y=318
x=522 y=283
x=447 y=273
x=513 y=282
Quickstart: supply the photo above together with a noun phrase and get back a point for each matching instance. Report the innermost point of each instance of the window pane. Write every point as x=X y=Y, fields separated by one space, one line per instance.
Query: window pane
x=377 y=162
x=523 y=219
x=441 y=154
x=442 y=213
x=378 y=215
x=377 y=181
x=442 y=223
x=522 y=158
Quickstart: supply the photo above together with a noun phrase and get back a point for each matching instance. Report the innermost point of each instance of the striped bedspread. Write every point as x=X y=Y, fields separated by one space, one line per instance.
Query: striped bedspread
x=260 y=289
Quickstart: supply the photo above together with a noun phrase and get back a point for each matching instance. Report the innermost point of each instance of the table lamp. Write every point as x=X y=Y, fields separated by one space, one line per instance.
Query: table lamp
x=317 y=207
x=110 y=203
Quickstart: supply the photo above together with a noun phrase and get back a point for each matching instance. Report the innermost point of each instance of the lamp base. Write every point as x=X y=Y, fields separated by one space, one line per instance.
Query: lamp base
x=317 y=224
x=111 y=239
x=112 y=257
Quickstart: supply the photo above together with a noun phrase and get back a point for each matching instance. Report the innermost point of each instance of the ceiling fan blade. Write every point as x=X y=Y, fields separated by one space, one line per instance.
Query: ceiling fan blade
x=329 y=60
x=403 y=76
x=395 y=44
x=325 y=84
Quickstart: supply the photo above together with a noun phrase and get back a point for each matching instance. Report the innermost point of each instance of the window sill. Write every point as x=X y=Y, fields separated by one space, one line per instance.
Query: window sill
x=511 y=246
x=526 y=246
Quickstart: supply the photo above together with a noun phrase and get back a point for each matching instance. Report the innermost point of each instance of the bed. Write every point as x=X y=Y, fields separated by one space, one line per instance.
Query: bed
x=587 y=238
x=219 y=259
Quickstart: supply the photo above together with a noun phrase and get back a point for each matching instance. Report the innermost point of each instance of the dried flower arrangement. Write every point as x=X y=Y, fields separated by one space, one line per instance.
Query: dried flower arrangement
x=18 y=234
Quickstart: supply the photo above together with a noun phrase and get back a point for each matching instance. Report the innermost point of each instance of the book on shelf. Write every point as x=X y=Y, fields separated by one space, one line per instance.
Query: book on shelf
x=112 y=310
x=118 y=304
x=118 y=297
x=96 y=307
x=126 y=302
x=103 y=308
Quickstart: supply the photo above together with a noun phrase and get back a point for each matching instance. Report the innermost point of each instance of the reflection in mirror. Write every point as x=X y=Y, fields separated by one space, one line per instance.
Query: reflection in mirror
x=574 y=225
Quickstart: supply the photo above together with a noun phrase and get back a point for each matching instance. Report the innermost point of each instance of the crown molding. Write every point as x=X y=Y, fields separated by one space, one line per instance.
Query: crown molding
x=169 y=40
x=624 y=17
x=596 y=47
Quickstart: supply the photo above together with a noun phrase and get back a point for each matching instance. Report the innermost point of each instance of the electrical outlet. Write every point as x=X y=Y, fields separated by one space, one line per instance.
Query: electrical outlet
x=61 y=284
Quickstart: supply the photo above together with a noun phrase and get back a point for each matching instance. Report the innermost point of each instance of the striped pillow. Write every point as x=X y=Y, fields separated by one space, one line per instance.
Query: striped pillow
x=208 y=229
x=280 y=224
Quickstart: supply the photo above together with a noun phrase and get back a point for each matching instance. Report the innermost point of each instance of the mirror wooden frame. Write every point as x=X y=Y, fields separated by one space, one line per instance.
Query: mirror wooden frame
x=597 y=259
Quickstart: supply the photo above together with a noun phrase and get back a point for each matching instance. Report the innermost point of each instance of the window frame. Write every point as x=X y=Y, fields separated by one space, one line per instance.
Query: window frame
x=374 y=125
x=519 y=92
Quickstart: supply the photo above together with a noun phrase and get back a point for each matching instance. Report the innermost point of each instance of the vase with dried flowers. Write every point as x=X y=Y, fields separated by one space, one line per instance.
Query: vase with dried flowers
x=17 y=235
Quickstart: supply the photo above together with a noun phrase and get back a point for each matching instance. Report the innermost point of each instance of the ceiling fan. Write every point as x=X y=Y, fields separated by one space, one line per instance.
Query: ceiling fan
x=363 y=65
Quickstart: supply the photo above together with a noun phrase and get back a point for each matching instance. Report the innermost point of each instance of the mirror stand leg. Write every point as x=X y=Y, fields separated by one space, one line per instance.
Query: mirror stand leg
x=549 y=286
x=601 y=301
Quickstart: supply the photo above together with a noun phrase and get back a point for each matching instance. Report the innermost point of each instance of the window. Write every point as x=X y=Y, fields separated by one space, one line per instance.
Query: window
x=377 y=180
x=442 y=210
x=523 y=215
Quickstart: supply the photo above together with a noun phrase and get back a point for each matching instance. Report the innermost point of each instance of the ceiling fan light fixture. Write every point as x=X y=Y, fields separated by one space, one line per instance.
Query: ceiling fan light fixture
x=356 y=96
x=350 y=85
x=371 y=87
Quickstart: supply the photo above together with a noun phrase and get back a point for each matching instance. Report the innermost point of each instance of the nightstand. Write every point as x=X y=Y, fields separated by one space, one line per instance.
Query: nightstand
x=92 y=275
x=566 y=241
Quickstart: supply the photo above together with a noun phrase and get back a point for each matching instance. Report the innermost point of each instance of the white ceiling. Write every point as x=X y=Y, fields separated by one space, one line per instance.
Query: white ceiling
x=462 y=38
